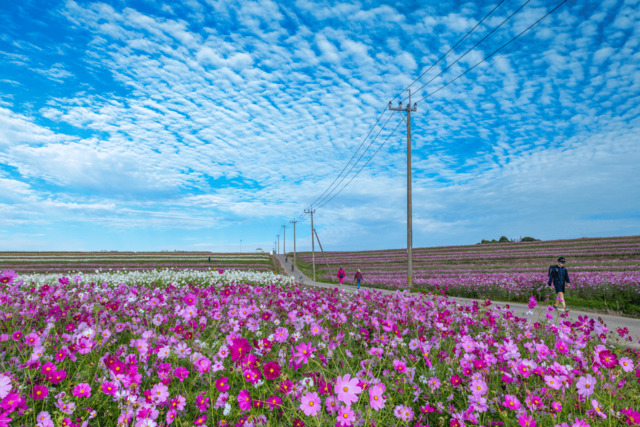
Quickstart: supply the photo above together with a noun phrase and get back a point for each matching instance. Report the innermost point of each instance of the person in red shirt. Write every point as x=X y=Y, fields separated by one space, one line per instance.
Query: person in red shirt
x=340 y=275
x=358 y=278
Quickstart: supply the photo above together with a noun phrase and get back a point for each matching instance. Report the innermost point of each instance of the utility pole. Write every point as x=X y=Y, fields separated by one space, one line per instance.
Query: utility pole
x=313 y=246
x=408 y=109
x=284 y=239
x=294 y=240
x=325 y=257
x=278 y=243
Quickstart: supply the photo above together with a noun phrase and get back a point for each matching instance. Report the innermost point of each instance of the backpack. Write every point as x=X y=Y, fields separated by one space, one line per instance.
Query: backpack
x=341 y=276
x=553 y=272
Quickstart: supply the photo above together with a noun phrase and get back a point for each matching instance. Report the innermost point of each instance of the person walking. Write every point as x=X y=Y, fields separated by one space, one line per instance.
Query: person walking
x=358 y=278
x=559 y=276
x=340 y=275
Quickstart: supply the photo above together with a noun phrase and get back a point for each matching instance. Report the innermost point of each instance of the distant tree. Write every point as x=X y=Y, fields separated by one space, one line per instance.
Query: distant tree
x=503 y=239
x=493 y=241
x=485 y=241
x=529 y=239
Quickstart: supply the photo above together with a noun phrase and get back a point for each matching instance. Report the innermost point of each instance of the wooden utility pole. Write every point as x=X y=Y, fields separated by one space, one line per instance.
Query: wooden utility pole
x=325 y=257
x=313 y=247
x=284 y=239
x=294 y=240
x=408 y=109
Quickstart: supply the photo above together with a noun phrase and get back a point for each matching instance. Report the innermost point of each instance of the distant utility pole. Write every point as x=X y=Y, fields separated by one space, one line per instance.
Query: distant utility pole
x=284 y=239
x=408 y=109
x=313 y=246
x=278 y=243
x=294 y=240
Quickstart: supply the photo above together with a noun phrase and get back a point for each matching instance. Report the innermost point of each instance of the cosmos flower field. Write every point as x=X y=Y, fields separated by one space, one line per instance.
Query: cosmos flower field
x=604 y=272
x=238 y=348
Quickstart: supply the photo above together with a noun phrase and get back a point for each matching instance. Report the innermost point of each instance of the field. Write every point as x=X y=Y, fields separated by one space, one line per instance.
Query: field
x=65 y=262
x=251 y=349
x=604 y=272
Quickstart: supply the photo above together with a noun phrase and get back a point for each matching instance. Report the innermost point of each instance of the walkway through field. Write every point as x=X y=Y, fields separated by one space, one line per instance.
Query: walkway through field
x=612 y=322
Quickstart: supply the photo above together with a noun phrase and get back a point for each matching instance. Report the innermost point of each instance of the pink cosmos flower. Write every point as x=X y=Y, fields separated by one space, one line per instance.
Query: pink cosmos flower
x=281 y=334
x=17 y=335
x=347 y=389
x=39 y=392
x=553 y=382
x=400 y=366
x=586 y=385
x=32 y=339
x=434 y=383
x=310 y=404
x=159 y=393
x=331 y=403
x=190 y=299
x=5 y=386
x=376 y=399
x=556 y=406
x=44 y=419
x=532 y=302
x=511 y=402
x=171 y=416
x=406 y=413
x=222 y=384
x=631 y=417
x=203 y=365
x=596 y=407
x=479 y=387
x=202 y=402
x=244 y=400
x=109 y=388
x=626 y=364
x=200 y=420
x=303 y=353
x=82 y=390
x=346 y=415
x=526 y=421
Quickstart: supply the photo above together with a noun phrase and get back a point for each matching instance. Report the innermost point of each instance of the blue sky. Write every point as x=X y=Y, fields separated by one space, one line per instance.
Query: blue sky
x=192 y=125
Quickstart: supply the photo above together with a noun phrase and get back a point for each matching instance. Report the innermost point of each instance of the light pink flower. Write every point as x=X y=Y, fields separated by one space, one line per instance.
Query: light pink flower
x=310 y=404
x=347 y=389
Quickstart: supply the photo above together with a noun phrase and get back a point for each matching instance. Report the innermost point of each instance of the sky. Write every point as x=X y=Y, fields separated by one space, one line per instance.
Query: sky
x=206 y=125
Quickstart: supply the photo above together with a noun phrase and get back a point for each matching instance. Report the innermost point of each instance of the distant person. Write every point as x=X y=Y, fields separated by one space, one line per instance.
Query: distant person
x=559 y=276
x=209 y=259
x=358 y=278
x=286 y=259
x=291 y=266
x=340 y=275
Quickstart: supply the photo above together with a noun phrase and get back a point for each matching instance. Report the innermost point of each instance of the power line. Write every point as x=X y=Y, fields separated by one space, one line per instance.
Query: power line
x=319 y=199
x=363 y=153
x=495 y=51
x=474 y=46
x=429 y=119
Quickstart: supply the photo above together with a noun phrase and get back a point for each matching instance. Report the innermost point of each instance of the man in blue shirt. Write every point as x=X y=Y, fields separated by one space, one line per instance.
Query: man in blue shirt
x=559 y=276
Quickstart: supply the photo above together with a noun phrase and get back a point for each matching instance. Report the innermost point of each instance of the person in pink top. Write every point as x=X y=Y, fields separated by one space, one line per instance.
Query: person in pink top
x=340 y=275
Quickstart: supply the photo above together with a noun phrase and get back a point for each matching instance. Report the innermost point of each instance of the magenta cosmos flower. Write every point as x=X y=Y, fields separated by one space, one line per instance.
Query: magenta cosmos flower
x=586 y=385
x=608 y=359
x=310 y=404
x=511 y=402
x=271 y=370
x=109 y=388
x=347 y=389
x=556 y=406
x=244 y=400
x=479 y=387
x=274 y=402
x=222 y=384
x=82 y=390
x=39 y=392
x=239 y=349
x=526 y=421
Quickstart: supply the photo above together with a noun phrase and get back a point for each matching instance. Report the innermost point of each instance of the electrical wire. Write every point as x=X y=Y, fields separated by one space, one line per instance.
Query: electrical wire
x=495 y=51
x=472 y=48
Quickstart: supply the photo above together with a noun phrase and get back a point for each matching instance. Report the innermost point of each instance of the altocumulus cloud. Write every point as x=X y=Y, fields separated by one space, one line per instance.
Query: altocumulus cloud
x=202 y=116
